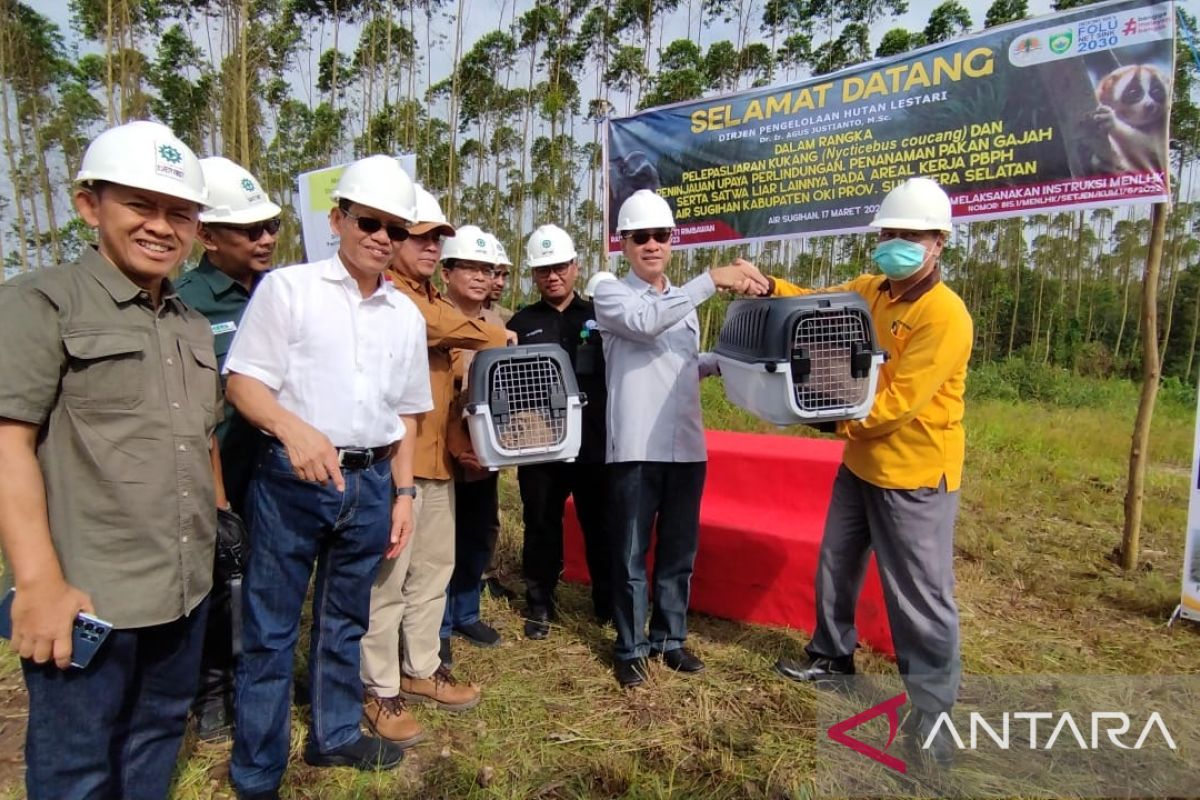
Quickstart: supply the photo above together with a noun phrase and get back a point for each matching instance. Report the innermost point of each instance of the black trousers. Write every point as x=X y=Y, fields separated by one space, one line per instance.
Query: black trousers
x=649 y=497
x=544 y=492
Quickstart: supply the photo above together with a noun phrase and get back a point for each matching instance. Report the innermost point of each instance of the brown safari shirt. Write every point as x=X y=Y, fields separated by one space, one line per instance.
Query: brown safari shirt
x=126 y=399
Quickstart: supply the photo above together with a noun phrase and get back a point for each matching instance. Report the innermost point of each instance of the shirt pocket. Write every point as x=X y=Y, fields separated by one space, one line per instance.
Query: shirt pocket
x=200 y=377
x=105 y=368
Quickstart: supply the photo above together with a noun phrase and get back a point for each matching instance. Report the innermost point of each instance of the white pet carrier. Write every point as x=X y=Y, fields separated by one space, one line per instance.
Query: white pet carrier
x=524 y=406
x=811 y=358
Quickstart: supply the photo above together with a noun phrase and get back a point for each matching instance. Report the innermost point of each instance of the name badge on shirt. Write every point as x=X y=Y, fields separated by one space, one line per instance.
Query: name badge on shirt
x=224 y=327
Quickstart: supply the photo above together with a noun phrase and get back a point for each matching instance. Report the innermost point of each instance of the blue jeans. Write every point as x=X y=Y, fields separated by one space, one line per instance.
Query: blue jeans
x=293 y=523
x=646 y=495
x=475 y=504
x=113 y=730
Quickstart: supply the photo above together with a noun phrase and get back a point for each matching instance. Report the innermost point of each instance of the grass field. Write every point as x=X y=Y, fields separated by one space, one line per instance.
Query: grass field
x=1037 y=589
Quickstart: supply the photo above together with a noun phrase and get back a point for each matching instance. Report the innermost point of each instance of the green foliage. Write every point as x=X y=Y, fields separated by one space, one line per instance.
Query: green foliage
x=1021 y=380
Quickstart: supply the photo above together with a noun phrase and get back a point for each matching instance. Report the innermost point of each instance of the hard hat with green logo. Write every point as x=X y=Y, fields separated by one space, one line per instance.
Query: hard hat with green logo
x=917 y=204
x=378 y=182
x=234 y=195
x=549 y=245
x=144 y=155
x=470 y=243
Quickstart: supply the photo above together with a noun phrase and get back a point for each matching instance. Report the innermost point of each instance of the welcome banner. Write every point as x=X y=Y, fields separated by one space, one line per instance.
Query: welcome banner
x=1064 y=111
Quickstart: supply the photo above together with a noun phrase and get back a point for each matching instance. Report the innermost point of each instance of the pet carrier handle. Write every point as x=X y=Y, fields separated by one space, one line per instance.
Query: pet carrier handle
x=499 y=406
x=801 y=365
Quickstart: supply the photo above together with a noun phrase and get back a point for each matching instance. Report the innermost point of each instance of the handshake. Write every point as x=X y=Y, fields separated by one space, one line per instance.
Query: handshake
x=742 y=277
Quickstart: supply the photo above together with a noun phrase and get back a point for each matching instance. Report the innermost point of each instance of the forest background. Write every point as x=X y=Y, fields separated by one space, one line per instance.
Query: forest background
x=502 y=101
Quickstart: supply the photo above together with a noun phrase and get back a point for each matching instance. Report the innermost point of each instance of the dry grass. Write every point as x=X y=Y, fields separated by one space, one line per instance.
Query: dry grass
x=1038 y=594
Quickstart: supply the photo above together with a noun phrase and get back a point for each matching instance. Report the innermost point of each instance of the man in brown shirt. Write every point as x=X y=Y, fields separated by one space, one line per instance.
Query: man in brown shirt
x=409 y=595
x=108 y=401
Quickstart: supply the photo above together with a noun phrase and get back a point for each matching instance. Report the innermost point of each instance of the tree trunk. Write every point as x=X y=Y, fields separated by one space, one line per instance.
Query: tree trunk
x=11 y=151
x=1150 y=377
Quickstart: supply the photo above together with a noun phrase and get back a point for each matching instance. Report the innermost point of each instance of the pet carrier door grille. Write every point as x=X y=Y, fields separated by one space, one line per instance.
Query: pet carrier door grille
x=824 y=349
x=529 y=404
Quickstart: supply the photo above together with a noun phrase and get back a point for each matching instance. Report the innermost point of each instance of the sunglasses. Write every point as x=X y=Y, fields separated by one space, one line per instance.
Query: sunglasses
x=369 y=225
x=641 y=237
x=254 y=232
x=557 y=269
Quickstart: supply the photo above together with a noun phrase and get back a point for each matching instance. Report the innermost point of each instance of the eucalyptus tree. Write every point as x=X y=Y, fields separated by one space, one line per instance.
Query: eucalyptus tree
x=1003 y=11
x=947 y=20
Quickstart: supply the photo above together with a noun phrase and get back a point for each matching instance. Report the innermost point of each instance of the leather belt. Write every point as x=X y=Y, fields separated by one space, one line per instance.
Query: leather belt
x=363 y=457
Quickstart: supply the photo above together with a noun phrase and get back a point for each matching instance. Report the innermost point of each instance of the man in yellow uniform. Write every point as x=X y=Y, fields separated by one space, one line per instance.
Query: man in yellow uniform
x=896 y=492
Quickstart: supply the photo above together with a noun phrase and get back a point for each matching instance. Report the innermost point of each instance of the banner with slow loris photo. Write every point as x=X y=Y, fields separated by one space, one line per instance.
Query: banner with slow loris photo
x=1064 y=111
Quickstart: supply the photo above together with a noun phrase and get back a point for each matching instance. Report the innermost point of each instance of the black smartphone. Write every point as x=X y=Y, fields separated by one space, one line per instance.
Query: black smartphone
x=89 y=633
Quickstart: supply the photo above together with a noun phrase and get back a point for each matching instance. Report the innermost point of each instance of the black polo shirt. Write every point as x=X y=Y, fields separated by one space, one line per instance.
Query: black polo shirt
x=541 y=323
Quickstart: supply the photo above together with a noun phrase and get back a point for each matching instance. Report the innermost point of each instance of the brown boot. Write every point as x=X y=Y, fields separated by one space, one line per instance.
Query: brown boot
x=442 y=690
x=391 y=720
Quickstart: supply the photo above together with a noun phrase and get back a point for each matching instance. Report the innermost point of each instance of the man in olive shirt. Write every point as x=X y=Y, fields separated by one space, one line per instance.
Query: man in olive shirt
x=237 y=232
x=108 y=401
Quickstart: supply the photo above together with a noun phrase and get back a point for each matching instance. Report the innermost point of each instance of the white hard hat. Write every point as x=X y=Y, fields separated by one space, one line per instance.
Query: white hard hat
x=234 y=196
x=597 y=279
x=144 y=155
x=549 y=245
x=429 y=215
x=469 y=244
x=502 y=259
x=378 y=182
x=644 y=209
x=918 y=204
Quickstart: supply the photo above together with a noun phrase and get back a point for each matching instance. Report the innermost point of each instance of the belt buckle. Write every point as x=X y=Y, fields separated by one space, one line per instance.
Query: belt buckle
x=341 y=454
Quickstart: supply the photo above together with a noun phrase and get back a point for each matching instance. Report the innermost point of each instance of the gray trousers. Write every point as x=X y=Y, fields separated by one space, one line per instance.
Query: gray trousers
x=912 y=534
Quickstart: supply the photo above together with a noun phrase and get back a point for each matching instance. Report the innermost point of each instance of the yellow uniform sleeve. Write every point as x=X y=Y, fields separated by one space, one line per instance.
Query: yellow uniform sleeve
x=937 y=350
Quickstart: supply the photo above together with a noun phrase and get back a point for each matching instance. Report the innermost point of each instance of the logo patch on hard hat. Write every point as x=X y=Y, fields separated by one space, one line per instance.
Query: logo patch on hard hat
x=248 y=184
x=167 y=159
x=546 y=243
x=481 y=243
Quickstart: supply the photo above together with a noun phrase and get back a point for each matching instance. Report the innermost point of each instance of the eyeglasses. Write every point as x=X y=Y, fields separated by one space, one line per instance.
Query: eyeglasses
x=662 y=236
x=254 y=232
x=370 y=225
x=557 y=269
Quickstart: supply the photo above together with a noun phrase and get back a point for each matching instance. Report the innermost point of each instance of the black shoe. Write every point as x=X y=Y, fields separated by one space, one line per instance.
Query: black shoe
x=630 y=672
x=815 y=669
x=365 y=753
x=214 y=723
x=941 y=749
x=681 y=660
x=498 y=590
x=537 y=623
x=478 y=633
x=446 y=653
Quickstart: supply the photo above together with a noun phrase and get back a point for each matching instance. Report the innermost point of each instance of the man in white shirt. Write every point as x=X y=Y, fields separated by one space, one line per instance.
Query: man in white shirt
x=656 y=452
x=330 y=361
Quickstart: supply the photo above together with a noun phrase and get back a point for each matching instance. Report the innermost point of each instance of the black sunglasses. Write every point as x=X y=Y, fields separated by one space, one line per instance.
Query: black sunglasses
x=254 y=232
x=370 y=225
x=661 y=236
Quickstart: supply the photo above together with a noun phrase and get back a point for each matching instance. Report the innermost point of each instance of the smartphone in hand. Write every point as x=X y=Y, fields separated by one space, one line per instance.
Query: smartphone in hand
x=89 y=632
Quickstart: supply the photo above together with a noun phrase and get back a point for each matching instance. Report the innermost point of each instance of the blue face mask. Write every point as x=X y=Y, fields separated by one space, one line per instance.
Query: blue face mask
x=899 y=258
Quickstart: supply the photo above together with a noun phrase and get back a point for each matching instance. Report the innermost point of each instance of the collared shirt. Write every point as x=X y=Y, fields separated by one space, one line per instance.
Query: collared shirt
x=654 y=366
x=126 y=397
x=913 y=435
x=221 y=300
x=346 y=364
x=542 y=323
x=445 y=329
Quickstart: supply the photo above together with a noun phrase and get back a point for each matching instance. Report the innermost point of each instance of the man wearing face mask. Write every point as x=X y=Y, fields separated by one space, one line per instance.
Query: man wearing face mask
x=896 y=492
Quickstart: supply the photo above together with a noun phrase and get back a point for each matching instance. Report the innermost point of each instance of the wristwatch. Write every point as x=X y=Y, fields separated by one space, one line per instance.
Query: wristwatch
x=404 y=491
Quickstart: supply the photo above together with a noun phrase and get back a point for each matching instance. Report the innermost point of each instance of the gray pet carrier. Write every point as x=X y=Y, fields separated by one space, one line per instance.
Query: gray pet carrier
x=524 y=406
x=800 y=359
